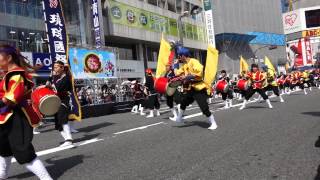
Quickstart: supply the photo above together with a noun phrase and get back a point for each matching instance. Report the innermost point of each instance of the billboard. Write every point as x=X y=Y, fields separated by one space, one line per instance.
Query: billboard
x=127 y=15
x=92 y=64
x=293 y=22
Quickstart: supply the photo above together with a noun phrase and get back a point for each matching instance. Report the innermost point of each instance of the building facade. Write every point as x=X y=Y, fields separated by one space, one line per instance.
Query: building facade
x=252 y=29
x=301 y=23
x=132 y=29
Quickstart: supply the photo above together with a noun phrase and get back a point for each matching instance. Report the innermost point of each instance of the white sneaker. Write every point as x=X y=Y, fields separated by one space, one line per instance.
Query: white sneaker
x=243 y=105
x=35 y=131
x=213 y=123
x=269 y=103
x=151 y=114
x=226 y=105
x=67 y=143
x=158 y=112
x=179 y=118
x=174 y=112
x=141 y=112
x=281 y=99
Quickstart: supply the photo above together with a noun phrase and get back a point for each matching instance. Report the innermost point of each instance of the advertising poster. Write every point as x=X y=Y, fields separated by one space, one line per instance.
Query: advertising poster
x=138 y=18
x=92 y=63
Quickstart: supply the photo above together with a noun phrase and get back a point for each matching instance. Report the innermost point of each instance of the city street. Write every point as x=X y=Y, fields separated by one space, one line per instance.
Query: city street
x=257 y=143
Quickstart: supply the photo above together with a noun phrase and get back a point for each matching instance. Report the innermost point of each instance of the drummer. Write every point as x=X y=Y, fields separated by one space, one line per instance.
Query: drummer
x=17 y=115
x=153 y=101
x=271 y=83
x=242 y=92
x=170 y=99
x=192 y=74
x=138 y=97
x=226 y=96
x=62 y=83
x=257 y=79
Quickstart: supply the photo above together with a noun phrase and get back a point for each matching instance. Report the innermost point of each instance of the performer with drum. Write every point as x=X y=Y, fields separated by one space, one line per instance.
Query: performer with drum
x=17 y=115
x=223 y=87
x=257 y=79
x=170 y=98
x=281 y=79
x=153 y=101
x=61 y=82
x=192 y=74
x=242 y=85
x=271 y=83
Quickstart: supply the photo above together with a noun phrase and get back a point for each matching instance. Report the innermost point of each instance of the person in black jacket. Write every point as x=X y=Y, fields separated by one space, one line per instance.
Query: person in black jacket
x=153 y=101
x=61 y=82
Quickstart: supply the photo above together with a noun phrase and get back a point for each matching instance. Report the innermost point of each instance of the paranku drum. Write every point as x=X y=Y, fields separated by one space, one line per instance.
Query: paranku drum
x=243 y=84
x=280 y=81
x=164 y=86
x=222 y=86
x=45 y=100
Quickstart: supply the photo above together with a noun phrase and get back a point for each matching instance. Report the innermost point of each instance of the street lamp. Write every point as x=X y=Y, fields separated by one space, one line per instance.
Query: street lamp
x=195 y=10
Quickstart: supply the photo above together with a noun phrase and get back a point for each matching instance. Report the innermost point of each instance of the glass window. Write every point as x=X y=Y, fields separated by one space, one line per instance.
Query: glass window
x=186 y=6
x=178 y=6
x=153 y=2
x=171 y=5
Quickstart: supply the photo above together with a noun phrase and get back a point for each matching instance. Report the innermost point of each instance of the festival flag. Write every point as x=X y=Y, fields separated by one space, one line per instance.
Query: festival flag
x=58 y=46
x=211 y=67
x=166 y=55
x=267 y=62
x=243 y=65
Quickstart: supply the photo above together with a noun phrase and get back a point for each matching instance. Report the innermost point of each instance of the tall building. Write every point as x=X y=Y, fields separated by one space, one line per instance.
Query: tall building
x=301 y=25
x=252 y=29
x=131 y=29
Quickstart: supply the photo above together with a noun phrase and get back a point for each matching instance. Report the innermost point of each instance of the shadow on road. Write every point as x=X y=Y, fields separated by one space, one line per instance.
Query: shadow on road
x=312 y=113
x=95 y=127
x=201 y=124
x=57 y=167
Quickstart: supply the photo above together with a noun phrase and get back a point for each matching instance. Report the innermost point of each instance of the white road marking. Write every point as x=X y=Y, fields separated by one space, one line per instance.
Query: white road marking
x=138 y=128
x=58 y=149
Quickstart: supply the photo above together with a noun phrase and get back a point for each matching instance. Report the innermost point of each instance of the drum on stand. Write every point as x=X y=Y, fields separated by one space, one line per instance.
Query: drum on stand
x=243 y=85
x=45 y=100
x=222 y=86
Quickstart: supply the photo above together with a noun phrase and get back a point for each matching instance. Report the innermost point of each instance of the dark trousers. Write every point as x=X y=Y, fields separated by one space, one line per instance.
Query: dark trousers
x=275 y=89
x=252 y=91
x=200 y=97
x=153 y=102
x=170 y=101
x=139 y=101
x=61 y=117
x=300 y=85
x=226 y=95
x=15 y=138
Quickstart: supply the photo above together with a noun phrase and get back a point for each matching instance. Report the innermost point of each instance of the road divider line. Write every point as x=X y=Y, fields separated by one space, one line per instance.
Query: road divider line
x=58 y=149
x=138 y=128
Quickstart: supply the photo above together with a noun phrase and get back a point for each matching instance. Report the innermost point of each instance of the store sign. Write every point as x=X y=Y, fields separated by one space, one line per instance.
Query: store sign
x=209 y=22
x=308 y=50
x=56 y=30
x=138 y=18
x=210 y=27
x=42 y=59
x=96 y=23
x=311 y=33
x=292 y=22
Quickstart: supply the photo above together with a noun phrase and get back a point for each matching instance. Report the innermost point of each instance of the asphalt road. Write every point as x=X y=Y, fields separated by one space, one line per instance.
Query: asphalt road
x=256 y=143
